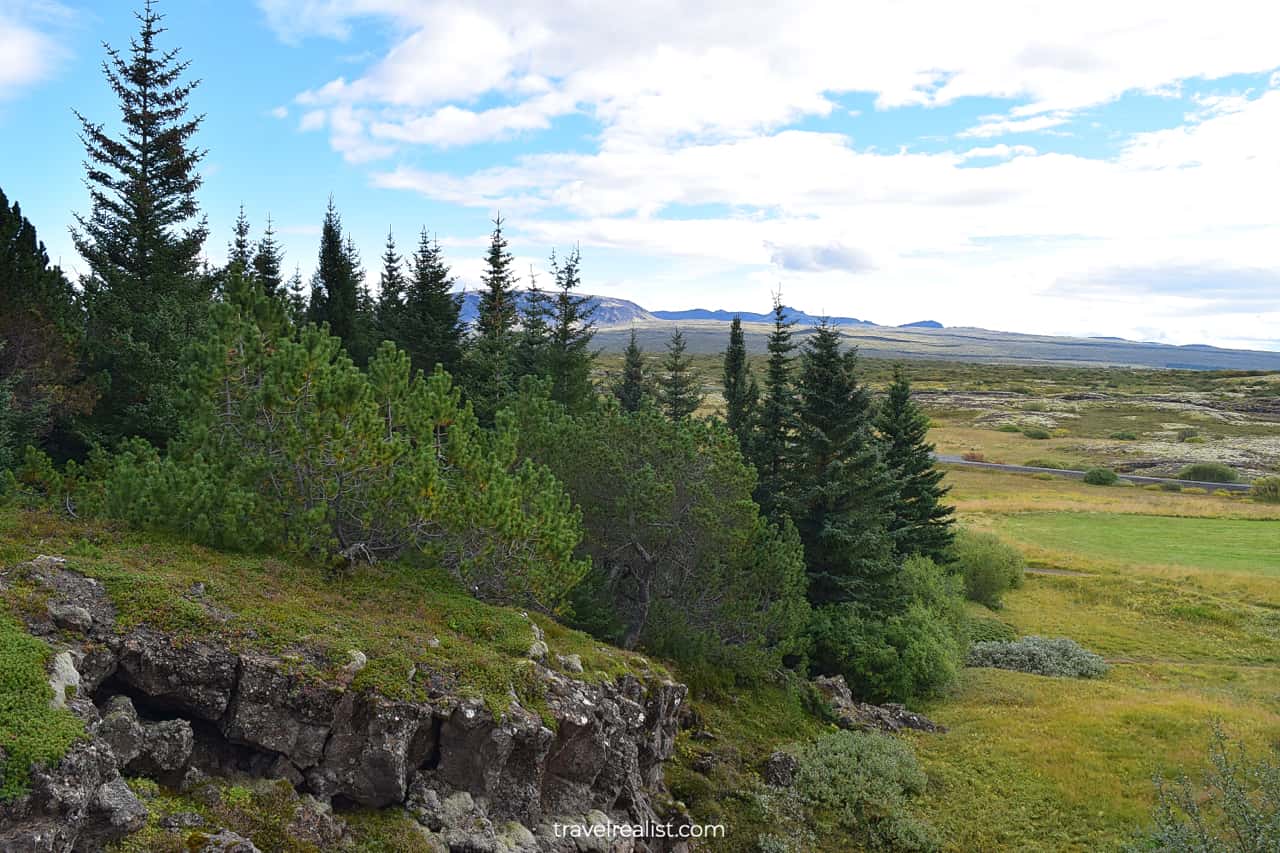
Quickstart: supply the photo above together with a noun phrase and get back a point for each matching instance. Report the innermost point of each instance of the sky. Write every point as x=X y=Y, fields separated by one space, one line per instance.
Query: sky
x=1084 y=168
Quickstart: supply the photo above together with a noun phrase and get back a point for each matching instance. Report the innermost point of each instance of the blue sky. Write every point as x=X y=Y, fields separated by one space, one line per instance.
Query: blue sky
x=1089 y=168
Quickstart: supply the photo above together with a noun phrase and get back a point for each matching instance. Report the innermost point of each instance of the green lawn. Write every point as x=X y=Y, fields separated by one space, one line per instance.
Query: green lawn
x=1215 y=544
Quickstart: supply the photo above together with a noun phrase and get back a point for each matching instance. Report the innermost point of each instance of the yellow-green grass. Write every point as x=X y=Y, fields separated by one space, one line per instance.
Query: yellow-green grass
x=978 y=492
x=401 y=616
x=1250 y=546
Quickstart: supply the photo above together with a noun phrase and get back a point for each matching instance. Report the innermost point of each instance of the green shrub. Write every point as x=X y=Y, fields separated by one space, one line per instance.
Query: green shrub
x=1194 y=490
x=914 y=653
x=1008 y=428
x=1034 y=407
x=1209 y=472
x=1100 y=477
x=1266 y=490
x=1187 y=433
x=285 y=443
x=988 y=566
x=1235 y=810
x=1036 y=433
x=1046 y=463
x=858 y=787
x=1124 y=435
x=984 y=629
x=1040 y=656
x=1170 y=487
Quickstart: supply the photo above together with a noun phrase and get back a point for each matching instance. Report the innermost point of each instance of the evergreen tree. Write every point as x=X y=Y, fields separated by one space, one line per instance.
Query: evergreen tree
x=431 y=329
x=842 y=494
x=335 y=290
x=145 y=294
x=633 y=386
x=922 y=522
x=774 y=442
x=492 y=367
x=740 y=391
x=678 y=393
x=268 y=262
x=569 y=357
x=240 y=249
x=531 y=356
x=41 y=329
x=296 y=305
x=391 y=292
x=365 y=339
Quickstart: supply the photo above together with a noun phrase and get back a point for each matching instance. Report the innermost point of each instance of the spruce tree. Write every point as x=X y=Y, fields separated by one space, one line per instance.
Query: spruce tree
x=633 y=386
x=365 y=339
x=531 y=356
x=145 y=295
x=391 y=292
x=740 y=390
x=296 y=303
x=569 y=357
x=240 y=249
x=431 y=329
x=774 y=441
x=678 y=393
x=41 y=330
x=492 y=367
x=922 y=522
x=842 y=494
x=268 y=261
x=335 y=291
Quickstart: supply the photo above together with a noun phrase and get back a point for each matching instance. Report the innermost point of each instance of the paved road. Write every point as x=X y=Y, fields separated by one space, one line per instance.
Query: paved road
x=1079 y=475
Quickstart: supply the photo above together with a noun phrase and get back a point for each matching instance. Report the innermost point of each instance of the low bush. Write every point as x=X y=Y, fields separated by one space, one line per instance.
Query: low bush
x=1194 y=490
x=1266 y=490
x=1046 y=463
x=988 y=566
x=1169 y=487
x=1008 y=428
x=1036 y=433
x=1209 y=472
x=856 y=786
x=973 y=456
x=1187 y=433
x=984 y=629
x=1153 y=487
x=1040 y=656
x=1235 y=810
x=1124 y=435
x=1044 y=476
x=1100 y=477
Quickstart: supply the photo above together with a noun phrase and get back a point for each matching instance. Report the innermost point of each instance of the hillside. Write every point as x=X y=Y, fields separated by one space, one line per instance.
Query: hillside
x=959 y=345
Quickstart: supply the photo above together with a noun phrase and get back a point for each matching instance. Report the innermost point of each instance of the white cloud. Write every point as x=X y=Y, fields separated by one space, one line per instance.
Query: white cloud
x=280 y=112
x=29 y=51
x=696 y=116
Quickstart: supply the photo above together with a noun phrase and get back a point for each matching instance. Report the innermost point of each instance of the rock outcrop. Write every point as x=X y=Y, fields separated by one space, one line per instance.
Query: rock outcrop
x=851 y=714
x=182 y=711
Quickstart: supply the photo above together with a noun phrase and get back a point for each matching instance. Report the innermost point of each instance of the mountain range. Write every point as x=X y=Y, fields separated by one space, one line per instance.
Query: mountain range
x=705 y=332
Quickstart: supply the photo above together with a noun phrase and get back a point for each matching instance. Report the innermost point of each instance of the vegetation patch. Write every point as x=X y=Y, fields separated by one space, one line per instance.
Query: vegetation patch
x=1209 y=472
x=1060 y=657
x=31 y=731
x=1100 y=477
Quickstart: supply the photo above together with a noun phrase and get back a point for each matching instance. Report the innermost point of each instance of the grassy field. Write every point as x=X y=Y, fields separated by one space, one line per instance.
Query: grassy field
x=1179 y=592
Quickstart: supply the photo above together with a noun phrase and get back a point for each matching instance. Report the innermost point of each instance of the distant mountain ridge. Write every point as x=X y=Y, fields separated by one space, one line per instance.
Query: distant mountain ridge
x=705 y=331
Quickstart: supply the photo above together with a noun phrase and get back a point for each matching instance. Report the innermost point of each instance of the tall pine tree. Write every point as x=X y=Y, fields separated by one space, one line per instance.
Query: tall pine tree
x=335 y=292
x=922 y=522
x=740 y=390
x=492 y=368
x=535 y=329
x=391 y=292
x=773 y=446
x=842 y=494
x=679 y=394
x=240 y=250
x=569 y=356
x=633 y=386
x=268 y=262
x=431 y=329
x=295 y=299
x=145 y=295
